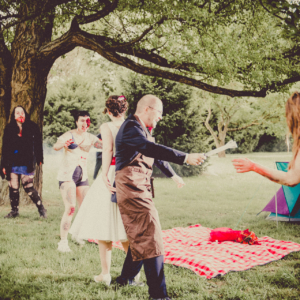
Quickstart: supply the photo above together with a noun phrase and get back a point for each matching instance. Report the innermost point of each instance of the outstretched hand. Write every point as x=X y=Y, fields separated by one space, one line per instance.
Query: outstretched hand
x=110 y=188
x=195 y=159
x=178 y=180
x=243 y=165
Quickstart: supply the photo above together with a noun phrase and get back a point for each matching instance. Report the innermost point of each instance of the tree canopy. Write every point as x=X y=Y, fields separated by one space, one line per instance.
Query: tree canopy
x=244 y=119
x=206 y=44
x=75 y=94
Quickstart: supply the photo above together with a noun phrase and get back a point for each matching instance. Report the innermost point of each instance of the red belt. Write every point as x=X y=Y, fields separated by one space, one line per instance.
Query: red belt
x=113 y=161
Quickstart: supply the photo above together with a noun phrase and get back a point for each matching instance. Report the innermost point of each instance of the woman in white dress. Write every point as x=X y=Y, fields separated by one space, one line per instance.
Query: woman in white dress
x=99 y=218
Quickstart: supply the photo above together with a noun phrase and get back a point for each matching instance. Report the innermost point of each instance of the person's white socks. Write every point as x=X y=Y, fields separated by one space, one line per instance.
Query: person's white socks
x=63 y=246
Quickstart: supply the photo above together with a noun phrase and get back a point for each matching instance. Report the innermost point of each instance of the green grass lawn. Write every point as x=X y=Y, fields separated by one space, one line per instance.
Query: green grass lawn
x=32 y=268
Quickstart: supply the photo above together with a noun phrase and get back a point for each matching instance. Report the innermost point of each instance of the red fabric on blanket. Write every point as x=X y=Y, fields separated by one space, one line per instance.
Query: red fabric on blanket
x=224 y=234
x=190 y=248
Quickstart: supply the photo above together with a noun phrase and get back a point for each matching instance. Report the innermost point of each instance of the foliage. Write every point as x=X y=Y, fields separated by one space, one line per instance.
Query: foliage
x=104 y=76
x=206 y=44
x=271 y=143
x=244 y=119
x=73 y=94
x=82 y=76
x=180 y=127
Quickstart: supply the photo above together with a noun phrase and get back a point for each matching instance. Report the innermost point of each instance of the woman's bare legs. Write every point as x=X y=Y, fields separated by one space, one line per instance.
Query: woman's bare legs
x=105 y=257
x=80 y=193
x=68 y=193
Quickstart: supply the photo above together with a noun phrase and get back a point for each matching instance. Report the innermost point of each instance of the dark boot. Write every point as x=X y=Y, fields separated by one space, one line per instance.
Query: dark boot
x=166 y=298
x=12 y=214
x=43 y=212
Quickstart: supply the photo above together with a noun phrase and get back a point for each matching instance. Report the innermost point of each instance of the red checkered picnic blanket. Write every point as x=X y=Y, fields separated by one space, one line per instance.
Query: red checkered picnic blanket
x=190 y=248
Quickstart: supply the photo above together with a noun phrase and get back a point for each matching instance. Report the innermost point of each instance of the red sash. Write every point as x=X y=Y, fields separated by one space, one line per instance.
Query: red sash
x=113 y=161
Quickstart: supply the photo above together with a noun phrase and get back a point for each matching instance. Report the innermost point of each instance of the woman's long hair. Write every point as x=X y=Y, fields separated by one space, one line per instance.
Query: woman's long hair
x=13 y=123
x=292 y=113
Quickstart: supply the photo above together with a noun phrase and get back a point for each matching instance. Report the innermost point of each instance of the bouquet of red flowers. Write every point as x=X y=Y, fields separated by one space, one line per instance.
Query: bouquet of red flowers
x=247 y=237
x=227 y=234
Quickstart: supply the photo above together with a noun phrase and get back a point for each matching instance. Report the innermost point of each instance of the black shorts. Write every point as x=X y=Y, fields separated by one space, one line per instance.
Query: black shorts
x=77 y=178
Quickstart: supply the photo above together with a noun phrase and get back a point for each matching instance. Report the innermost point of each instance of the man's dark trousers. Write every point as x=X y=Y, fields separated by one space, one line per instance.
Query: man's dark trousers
x=154 y=271
x=98 y=164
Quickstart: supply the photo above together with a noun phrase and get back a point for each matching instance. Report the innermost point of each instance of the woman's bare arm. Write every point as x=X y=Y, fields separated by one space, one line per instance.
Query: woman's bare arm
x=290 y=178
x=60 y=144
x=107 y=154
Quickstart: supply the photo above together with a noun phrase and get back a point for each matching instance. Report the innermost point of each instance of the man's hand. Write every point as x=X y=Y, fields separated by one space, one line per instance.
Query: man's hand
x=4 y=171
x=110 y=188
x=178 y=180
x=68 y=143
x=243 y=165
x=195 y=159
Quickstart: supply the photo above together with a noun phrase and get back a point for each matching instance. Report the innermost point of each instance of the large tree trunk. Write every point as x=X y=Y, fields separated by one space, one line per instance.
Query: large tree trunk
x=29 y=76
x=5 y=96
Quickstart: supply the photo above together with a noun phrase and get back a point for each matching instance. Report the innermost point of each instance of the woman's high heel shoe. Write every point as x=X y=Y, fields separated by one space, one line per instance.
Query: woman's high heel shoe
x=105 y=278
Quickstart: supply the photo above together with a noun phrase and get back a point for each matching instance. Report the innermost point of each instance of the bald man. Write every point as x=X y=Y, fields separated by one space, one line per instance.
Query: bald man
x=135 y=154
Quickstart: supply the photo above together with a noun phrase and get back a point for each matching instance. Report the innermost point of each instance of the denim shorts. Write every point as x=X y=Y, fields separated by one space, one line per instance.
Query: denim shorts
x=21 y=170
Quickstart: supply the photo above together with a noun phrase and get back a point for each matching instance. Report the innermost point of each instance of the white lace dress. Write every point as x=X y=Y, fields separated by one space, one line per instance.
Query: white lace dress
x=98 y=217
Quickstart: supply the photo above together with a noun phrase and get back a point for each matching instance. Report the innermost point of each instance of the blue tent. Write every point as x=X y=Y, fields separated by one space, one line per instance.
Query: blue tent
x=287 y=202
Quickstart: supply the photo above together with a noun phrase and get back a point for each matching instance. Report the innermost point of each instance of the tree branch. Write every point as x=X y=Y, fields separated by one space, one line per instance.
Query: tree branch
x=243 y=127
x=47 y=7
x=220 y=124
x=77 y=37
x=50 y=52
x=139 y=38
x=266 y=9
x=159 y=60
x=9 y=16
x=109 y=7
x=206 y=123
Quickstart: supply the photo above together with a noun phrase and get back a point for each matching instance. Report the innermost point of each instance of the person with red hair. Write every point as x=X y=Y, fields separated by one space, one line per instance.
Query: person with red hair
x=292 y=176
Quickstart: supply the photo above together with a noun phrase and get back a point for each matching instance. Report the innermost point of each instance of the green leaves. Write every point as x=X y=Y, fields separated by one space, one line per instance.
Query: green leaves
x=181 y=126
x=74 y=94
